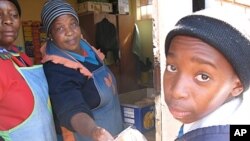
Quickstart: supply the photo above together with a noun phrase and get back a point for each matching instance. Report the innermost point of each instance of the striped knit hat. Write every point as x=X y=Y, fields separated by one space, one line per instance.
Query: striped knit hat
x=225 y=30
x=53 y=9
x=15 y=2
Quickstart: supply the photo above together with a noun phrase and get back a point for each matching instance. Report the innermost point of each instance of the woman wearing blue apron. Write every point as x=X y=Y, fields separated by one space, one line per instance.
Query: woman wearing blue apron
x=39 y=126
x=25 y=109
x=82 y=89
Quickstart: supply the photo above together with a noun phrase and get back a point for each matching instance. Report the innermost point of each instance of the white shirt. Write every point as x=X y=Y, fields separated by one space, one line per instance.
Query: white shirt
x=235 y=111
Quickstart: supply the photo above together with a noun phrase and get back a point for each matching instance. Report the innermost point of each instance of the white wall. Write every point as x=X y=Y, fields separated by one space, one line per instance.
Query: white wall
x=166 y=14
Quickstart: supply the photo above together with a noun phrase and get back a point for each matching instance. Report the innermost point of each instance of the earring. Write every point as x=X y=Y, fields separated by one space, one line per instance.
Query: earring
x=49 y=39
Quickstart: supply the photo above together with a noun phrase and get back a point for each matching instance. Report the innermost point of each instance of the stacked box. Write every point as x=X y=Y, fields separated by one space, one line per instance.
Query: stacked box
x=98 y=7
x=138 y=109
x=106 y=7
x=88 y=7
x=81 y=1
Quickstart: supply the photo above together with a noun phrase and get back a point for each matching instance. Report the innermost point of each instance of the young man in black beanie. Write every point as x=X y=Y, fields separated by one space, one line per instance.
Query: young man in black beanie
x=207 y=74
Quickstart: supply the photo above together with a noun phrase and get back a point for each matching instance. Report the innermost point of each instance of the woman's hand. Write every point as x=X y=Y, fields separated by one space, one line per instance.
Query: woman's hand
x=100 y=134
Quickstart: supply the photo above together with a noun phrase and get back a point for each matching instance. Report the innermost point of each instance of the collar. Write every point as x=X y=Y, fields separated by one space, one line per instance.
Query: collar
x=58 y=56
x=20 y=58
x=52 y=49
x=224 y=115
x=91 y=58
x=4 y=54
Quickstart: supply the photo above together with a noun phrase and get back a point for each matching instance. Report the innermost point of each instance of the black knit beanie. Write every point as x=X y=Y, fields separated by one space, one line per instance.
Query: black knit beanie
x=15 y=2
x=227 y=32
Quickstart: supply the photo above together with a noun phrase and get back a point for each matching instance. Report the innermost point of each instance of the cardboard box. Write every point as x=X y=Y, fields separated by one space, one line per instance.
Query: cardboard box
x=106 y=7
x=89 y=7
x=138 y=109
x=98 y=7
x=80 y=1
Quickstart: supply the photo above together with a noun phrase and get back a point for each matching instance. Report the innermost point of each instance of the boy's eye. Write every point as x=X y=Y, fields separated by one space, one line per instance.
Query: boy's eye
x=202 y=77
x=171 y=68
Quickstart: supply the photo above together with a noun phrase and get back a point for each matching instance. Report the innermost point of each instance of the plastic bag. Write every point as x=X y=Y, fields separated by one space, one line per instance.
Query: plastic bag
x=130 y=134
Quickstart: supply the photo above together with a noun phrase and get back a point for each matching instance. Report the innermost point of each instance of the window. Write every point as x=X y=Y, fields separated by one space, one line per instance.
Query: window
x=143 y=9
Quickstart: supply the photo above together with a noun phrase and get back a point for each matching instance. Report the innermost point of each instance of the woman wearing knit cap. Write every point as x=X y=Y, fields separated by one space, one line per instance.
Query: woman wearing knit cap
x=25 y=111
x=207 y=74
x=82 y=89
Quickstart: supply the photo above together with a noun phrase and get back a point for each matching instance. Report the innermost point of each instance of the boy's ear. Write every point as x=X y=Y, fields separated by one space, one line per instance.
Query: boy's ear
x=238 y=88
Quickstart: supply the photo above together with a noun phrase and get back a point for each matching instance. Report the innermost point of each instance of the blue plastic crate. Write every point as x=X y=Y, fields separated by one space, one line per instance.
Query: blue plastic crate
x=138 y=109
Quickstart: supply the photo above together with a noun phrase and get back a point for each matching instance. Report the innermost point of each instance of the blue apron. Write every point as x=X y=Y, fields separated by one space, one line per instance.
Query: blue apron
x=108 y=113
x=39 y=126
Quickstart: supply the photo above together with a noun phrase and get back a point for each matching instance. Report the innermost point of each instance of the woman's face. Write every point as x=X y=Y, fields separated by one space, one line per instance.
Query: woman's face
x=197 y=79
x=66 y=33
x=9 y=23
